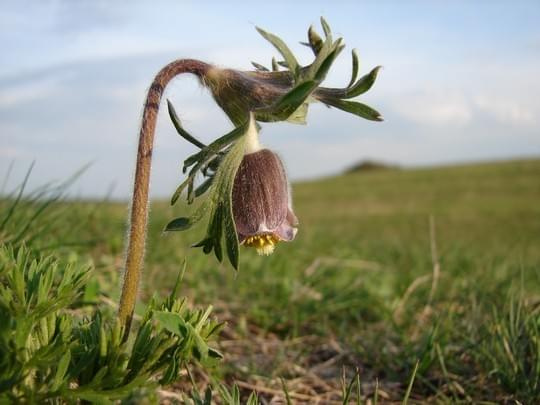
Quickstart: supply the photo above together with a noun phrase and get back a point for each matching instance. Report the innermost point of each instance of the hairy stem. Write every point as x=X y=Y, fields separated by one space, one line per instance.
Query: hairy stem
x=139 y=205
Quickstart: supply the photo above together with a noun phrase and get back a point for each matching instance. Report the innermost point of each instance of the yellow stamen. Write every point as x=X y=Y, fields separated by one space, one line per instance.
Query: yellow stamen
x=264 y=243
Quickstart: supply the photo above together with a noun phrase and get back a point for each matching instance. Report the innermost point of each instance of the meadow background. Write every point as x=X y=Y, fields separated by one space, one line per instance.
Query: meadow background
x=433 y=263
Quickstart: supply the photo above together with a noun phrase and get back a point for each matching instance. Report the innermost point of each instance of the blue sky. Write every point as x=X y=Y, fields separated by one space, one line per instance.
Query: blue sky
x=460 y=83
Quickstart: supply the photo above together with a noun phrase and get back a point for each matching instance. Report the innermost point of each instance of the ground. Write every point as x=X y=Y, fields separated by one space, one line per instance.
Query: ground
x=437 y=268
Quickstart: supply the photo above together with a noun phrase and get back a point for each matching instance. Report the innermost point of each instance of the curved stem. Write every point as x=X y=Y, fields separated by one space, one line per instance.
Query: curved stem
x=139 y=205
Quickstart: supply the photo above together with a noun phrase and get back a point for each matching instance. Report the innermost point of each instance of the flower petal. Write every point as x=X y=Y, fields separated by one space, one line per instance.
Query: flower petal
x=286 y=232
x=260 y=194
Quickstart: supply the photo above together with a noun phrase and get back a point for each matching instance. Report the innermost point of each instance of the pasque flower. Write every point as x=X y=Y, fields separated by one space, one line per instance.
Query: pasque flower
x=261 y=199
x=248 y=200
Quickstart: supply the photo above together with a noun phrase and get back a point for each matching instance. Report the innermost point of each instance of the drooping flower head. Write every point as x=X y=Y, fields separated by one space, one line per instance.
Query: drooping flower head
x=248 y=197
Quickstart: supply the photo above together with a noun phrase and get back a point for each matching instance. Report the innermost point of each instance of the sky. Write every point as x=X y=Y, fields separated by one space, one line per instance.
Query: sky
x=460 y=83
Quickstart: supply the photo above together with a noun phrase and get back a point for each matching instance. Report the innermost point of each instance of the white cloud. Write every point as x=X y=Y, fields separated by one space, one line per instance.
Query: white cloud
x=459 y=109
x=14 y=95
x=437 y=109
x=506 y=110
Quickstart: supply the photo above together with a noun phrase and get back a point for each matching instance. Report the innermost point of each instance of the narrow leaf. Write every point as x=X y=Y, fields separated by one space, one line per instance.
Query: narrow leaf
x=216 y=354
x=356 y=108
x=281 y=47
x=275 y=66
x=325 y=65
x=61 y=370
x=315 y=41
x=216 y=146
x=260 y=67
x=287 y=104
x=204 y=186
x=411 y=382
x=179 y=190
x=181 y=131
x=179 y=224
x=231 y=240
x=327 y=48
x=355 y=65
x=299 y=115
x=363 y=84
x=216 y=230
x=326 y=27
x=283 y=64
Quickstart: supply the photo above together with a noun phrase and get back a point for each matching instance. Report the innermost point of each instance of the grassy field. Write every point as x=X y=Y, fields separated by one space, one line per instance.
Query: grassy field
x=435 y=267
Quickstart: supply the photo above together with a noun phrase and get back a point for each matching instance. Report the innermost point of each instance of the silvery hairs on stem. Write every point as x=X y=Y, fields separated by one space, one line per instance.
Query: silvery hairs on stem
x=245 y=188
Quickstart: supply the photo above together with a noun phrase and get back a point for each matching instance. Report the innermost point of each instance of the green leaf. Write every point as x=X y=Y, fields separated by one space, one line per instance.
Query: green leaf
x=93 y=397
x=356 y=108
x=231 y=239
x=313 y=69
x=287 y=104
x=172 y=322
x=275 y=66
x=201 y=348
x=299 y=115
x=214 y=353
x=210 y=150
x=326 y=27
x=200 y=159
x=363 y=84
x=204 y=186
x=63 y=365
x=218 y=203
x=355 y=66
x=315 y=41
x=179 y=224
x=260 y=67
x=179 y=189
x=252 y=399
x=327 y=63
x=217 y=230
x=181 y=131
x=281 y=47
x=222 y=192
x=284 y=64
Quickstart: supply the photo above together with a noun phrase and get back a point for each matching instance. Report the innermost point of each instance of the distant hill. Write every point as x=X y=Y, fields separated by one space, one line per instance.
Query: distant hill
x=369 y=166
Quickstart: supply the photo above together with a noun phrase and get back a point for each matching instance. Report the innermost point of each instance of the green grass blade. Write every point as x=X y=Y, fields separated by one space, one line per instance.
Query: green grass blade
x=411 y=382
